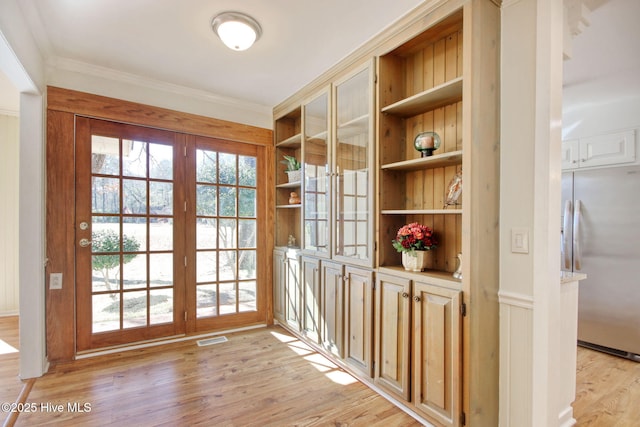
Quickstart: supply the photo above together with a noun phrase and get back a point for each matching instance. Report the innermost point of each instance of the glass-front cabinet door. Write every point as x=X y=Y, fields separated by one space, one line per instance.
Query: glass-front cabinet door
x=317 y=175
x=353 y=162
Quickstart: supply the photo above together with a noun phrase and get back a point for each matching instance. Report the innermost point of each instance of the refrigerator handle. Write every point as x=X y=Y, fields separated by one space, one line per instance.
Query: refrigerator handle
x=566 y=242
x=577 y=252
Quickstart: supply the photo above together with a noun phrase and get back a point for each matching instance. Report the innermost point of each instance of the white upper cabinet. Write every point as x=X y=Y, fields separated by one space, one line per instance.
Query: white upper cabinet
x=602 y=150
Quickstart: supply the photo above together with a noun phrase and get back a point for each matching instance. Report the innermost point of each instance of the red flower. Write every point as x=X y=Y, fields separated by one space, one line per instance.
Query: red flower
x=414 y=237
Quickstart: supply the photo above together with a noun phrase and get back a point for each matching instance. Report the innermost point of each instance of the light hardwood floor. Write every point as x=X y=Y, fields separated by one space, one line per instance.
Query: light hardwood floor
x=10 y=384
x=262 y=377
x=607 y=390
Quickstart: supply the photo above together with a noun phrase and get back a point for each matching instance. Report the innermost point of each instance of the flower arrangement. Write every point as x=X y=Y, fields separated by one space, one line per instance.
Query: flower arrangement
x=414 y=237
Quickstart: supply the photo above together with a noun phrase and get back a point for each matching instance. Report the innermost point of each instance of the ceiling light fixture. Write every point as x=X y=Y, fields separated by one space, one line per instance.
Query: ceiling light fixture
x=236 y=30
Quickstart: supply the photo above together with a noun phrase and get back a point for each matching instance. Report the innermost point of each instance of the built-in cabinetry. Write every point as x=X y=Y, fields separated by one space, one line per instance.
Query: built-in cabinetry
x=601 y=150
x=418 y=344
x=426 y=339
x=332 y=134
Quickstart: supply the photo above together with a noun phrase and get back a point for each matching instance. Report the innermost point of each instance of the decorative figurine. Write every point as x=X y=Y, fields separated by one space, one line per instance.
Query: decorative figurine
x=291 y=242
x=455 y=189
x=294 y=199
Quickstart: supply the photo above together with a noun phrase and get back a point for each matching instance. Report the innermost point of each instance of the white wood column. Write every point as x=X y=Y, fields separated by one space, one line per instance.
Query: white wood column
x=531 y=112
x=22 y=62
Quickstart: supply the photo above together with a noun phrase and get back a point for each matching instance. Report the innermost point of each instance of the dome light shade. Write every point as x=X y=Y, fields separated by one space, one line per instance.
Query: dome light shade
x=236 y=30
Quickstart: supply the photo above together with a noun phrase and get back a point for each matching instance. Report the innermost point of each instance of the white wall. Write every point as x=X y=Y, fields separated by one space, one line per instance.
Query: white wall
x=9 y=146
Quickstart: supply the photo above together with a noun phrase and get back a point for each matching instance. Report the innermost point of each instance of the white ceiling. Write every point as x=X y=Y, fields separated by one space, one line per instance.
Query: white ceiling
x=171 y=40
x=605 y=64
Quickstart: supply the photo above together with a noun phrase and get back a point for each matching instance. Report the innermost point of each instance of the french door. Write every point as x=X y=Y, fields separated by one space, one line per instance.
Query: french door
x=166 y=234
x=223 y=238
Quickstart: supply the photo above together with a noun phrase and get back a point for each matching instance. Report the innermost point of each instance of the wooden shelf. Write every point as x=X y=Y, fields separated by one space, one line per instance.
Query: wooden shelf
x=421 y=212
x=288 y=206
x=293 y=141
x=444 y=94
x=436 y=277
x=293 y=184
x=437 y=160
x=321 y=136
x=353 y=127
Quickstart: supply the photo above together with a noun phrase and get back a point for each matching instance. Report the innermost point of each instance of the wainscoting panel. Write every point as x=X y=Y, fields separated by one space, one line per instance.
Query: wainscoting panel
x=516 y=316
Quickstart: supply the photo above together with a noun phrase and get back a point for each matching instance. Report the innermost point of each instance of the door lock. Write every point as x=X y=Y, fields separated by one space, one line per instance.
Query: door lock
x=84 y=243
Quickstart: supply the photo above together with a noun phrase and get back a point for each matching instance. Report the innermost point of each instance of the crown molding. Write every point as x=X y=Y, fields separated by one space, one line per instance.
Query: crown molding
x=80 y=67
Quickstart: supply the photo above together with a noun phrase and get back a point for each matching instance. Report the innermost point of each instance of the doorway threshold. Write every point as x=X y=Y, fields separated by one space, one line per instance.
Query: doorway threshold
x=168 y=340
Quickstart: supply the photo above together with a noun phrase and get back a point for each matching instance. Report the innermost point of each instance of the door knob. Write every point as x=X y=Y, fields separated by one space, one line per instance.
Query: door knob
x=416 y=299
x=84 y=243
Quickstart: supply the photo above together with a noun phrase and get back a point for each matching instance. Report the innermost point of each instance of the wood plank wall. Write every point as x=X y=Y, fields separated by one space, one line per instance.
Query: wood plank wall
x=62 y=107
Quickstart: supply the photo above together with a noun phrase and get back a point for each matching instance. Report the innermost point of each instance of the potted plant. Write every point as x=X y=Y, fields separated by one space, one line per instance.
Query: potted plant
x=293 y=168
x=414 y=241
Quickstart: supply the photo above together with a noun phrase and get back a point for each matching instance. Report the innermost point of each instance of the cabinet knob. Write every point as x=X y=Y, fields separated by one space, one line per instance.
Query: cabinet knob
x=416 y=298
x=405 y=295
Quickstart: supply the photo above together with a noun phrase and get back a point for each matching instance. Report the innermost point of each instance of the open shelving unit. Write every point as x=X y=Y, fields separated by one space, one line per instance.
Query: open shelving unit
x=423 y=91
x=288 y=141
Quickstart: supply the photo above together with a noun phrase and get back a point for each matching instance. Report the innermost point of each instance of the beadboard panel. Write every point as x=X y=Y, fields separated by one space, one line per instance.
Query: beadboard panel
x=516 y=349
x=9 y=144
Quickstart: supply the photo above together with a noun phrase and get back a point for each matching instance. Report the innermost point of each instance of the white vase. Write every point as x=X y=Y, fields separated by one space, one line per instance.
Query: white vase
x=415 y=263
x=294 y=176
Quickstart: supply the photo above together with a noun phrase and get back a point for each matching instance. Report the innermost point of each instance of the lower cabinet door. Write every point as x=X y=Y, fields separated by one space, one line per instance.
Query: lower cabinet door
x=392 y=338
x=293 y=290
x=358 y=319
x=279 y=285
x=332 y=308
x=437 y=329
x=311 y=299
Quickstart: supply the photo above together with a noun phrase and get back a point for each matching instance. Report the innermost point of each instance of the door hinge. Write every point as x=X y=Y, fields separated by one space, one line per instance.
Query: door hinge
x=463 y=309
x=463 y=419
x=185 y=316
x=185 y=261
x=185 y=151
x=185 y=206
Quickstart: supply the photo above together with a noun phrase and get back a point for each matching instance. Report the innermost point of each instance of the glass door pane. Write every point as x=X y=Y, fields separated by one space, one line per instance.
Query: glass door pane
x=225 y=233
x=353 y=160
x=131 y=233
x=316 y=175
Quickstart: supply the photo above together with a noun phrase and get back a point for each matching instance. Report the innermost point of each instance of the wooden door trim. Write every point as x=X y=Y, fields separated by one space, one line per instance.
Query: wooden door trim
x=103 y=107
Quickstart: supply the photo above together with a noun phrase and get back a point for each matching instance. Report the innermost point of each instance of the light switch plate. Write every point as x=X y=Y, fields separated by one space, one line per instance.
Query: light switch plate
x=55 y=281
x=520 y=240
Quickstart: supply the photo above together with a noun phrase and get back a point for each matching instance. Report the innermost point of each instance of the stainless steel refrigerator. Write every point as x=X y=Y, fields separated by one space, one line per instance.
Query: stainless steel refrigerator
x=601 y=238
